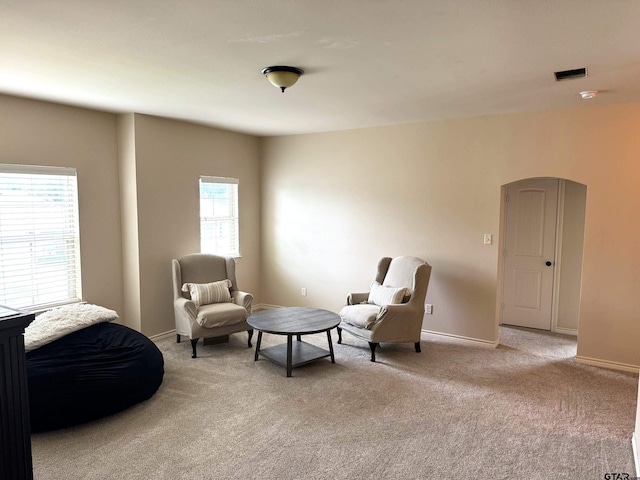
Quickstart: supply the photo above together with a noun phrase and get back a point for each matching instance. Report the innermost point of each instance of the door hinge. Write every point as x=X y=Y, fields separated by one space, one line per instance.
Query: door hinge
x=506 y=198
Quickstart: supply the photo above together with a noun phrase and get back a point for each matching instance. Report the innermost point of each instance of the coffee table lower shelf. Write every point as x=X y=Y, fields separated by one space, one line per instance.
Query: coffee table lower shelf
x=301 y=353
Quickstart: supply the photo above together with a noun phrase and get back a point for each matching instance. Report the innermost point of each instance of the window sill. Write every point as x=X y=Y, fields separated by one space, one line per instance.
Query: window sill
x=43 y=308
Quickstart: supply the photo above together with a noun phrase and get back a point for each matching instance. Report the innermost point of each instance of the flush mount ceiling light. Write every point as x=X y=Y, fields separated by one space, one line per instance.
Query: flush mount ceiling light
x=587 y=94
x=281 y=76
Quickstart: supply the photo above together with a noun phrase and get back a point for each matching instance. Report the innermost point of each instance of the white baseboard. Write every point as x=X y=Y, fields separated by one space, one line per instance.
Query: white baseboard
x=624 y=367
x=634 y=445
x=468 y=340
x=465 y=340
x=566 y=331
x=264 y=306
x=162 y=336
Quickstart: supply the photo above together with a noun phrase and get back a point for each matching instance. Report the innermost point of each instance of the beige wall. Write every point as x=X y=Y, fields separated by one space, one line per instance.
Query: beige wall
x=40 y=133
x=131 y=313
x=575 y=201
x=334 y=203
x=150 y=166
x=170 y=157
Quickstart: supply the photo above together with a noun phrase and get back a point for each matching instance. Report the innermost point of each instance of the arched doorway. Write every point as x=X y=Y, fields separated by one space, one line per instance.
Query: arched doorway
x=541 y=240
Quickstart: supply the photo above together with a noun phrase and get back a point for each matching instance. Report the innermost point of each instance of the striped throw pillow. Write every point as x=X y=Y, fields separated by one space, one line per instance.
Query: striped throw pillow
x=208 y=293
x=381 y=295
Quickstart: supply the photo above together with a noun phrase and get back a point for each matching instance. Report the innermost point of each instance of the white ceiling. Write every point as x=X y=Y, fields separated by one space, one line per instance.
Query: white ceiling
x=367 y=62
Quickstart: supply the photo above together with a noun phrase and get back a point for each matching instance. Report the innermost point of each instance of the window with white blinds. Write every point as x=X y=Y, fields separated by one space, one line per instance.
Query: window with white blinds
x=219 y=216
x=39 y=236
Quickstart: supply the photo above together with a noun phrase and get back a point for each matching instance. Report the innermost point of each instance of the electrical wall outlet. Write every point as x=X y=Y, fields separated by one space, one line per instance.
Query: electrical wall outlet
x=303 y=292
x=428 y=308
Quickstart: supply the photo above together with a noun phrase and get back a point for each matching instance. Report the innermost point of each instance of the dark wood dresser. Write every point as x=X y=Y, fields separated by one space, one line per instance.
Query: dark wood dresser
x=15 y=429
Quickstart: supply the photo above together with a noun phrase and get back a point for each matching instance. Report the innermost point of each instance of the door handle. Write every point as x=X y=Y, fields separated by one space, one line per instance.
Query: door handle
x=548 y=263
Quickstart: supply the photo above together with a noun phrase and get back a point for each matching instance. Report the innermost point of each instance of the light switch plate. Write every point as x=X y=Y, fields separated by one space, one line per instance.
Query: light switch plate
x=488 y=239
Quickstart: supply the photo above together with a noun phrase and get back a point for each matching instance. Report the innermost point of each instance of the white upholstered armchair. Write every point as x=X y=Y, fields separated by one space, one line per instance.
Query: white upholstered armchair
x=393 y=310
x=206 y=299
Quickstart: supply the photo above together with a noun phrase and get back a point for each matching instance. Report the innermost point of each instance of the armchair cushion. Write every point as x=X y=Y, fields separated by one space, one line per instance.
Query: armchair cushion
x=208 y=293
x=381 y=295
x=362 y=315
x=220 y=314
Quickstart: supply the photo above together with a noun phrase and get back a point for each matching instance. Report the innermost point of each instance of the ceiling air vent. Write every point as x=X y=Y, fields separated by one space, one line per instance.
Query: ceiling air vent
x=571 y=74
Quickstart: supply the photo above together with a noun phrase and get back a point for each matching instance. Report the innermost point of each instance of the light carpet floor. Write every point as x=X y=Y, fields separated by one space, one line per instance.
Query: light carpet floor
x=525 y=410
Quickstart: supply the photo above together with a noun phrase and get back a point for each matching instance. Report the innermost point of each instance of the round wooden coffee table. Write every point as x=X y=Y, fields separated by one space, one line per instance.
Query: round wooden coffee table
x=292 y=321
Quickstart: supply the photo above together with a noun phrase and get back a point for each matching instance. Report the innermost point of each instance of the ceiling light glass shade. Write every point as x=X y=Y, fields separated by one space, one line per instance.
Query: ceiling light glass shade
x=281 y=76
x=587 y=94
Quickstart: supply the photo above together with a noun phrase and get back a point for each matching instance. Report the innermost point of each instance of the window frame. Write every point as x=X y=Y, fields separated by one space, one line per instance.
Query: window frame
x=50 y=251
x=210 y=244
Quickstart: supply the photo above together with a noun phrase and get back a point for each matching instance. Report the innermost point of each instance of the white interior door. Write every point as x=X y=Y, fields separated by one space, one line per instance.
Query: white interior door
x=530 y=243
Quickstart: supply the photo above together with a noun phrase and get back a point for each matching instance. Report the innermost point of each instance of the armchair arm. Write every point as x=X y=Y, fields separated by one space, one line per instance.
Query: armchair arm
x=356 y=298
x=394 y=311
x=243 y=299
x=185 y=312
x=185 y=305
x=398 y=323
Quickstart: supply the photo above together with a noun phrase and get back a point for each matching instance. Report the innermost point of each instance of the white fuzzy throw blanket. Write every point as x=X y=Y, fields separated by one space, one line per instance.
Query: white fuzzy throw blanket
x=58 y=322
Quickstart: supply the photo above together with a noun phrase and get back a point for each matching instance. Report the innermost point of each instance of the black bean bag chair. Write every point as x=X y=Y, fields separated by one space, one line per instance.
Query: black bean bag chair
x=91 y=373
